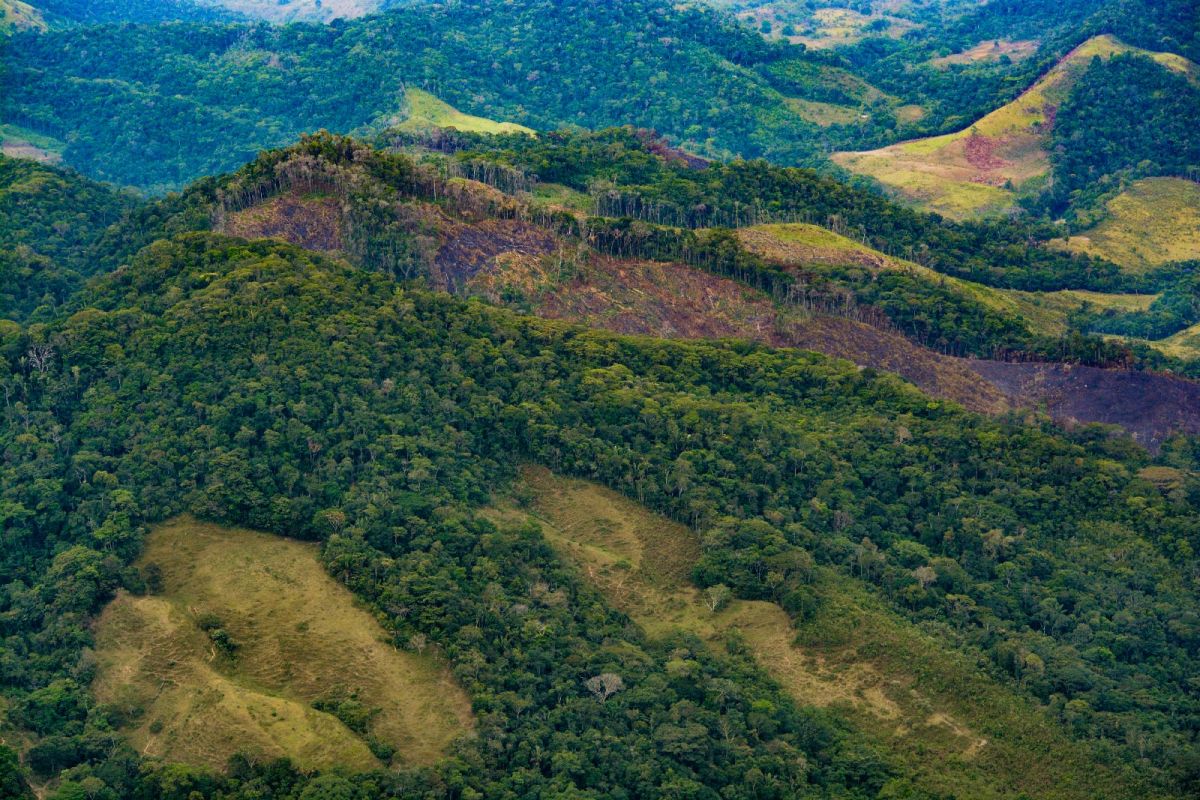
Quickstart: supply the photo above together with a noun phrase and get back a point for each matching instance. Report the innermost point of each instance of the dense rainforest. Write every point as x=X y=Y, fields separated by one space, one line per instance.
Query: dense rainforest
x=91 y=12
x=257 y=384
x=49 y=218
x=378 y=424
x=369 y=400
x=681 y=71
x=1126 y=118
x=136 y=107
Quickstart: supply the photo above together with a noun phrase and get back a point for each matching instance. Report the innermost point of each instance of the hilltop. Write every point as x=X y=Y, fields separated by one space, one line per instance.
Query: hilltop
x=536 y=250
x=981 y=169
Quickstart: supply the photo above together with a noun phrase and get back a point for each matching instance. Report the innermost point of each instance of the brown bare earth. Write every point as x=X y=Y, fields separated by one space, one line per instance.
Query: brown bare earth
x=470 y=248
x=990 y=50
x=313 y=222
x=677 y=301
x=514 y=262
x=1148 y=405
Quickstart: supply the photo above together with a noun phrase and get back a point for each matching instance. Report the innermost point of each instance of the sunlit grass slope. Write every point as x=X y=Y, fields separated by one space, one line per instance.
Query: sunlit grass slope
x=1153 y=222
x=976 y=171
x=959 y=731
x=427 y=111
x=18 y=16
x=812 y=246
x=298 y=640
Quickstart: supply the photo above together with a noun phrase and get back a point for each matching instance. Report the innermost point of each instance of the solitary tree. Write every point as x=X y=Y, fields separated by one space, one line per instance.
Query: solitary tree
x=716 y=596
x=604 y=685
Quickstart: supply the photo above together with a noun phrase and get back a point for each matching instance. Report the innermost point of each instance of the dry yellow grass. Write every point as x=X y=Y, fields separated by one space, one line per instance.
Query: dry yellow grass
x=427 y=111
x=955 y=729
x=16 y=15
x=300 y=639
x=990 y=50
x=1183 y=345
x=823 y=114
x=974 y=172
x=1153 y=222
x=811 y=246
x=642 y=561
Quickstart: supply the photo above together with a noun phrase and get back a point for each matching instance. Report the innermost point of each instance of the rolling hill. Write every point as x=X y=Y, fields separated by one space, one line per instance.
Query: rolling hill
x=512 y=251
x=389 y=419
x=483 y=455
x=18 y=16
x=1154 y=222
x=980 y=170
x=229 y=93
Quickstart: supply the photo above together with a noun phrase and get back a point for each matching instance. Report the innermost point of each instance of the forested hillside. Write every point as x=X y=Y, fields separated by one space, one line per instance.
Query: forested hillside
x=230 y=92
x=49 y=220
x=67 y=13
x=378 y=424
x=498 y=444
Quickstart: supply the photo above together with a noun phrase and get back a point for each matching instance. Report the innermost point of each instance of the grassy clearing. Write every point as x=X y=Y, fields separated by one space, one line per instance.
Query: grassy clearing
x=18 y=16
x=990 y=51
x=1153 y=222
x=927 y=707
x=299 y=639
x=426 y=111
x=976 y=171
x=17 y=142
x=558 y=196
x=813 y=246
x=839 y=27
x=910 y=113
x=1183 y=345
x=823 y=114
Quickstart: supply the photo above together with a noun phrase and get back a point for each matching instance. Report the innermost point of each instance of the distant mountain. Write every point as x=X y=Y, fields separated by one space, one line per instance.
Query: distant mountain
x=228 y=93
x=59 y=13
